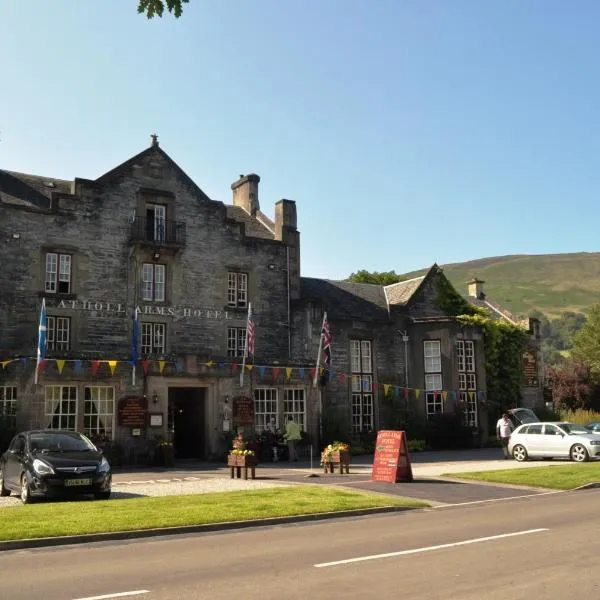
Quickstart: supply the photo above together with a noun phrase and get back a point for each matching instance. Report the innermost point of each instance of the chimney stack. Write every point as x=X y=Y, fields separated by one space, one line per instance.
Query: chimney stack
x=476 y=288
x=286 y=231
x=245 y=193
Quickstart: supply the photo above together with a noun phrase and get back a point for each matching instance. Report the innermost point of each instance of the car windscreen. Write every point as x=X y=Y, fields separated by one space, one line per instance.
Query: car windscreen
x=573 y=428
x=59 y=442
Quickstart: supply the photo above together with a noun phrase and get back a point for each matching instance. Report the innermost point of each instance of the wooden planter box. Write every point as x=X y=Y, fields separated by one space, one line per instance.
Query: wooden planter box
x=237 y=462
x=240 y=460
x=339 y=459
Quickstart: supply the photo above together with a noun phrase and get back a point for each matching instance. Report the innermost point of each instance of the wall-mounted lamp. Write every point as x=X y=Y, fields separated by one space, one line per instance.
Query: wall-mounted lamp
x=271 y=266
x=155 y=398
x=156 y=255
x=16 y=236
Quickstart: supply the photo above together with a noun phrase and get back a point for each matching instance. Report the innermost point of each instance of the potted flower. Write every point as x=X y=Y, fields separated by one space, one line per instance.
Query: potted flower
x=336 y=453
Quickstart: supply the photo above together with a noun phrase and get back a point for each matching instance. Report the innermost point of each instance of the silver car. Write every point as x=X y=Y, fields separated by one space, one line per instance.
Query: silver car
x=553 y=440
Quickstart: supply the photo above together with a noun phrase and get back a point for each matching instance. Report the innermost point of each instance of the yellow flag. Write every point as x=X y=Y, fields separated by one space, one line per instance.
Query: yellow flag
x=444 y=395
x=471 y=395
x=417 y=393
x=161 y=365
x=112 y=364
x=60 y=365
x=386 y=389
x=249 y=367
x=288 y=371
x=4 y=363
x=210 y=363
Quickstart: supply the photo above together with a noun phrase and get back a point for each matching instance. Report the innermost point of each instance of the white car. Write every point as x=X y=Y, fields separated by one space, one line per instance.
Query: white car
x=553 y=440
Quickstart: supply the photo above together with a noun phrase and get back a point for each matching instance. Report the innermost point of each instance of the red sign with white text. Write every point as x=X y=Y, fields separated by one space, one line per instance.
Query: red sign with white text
x=391 y=462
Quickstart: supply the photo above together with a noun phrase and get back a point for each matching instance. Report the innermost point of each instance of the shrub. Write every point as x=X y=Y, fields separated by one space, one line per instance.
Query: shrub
x=580 y=416
x=416 y=445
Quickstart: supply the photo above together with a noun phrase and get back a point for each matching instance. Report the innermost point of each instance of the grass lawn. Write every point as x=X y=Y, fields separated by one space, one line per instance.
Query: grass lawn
x=561 y=477
x=49 y=519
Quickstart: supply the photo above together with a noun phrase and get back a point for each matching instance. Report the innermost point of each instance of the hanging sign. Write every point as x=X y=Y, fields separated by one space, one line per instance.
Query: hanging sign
x=391 y=462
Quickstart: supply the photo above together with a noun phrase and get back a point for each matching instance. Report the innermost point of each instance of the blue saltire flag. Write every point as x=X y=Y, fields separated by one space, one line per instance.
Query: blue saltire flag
x=41 y=348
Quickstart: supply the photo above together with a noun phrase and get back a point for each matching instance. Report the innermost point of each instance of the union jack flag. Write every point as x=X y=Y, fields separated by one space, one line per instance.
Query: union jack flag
x=250 y=332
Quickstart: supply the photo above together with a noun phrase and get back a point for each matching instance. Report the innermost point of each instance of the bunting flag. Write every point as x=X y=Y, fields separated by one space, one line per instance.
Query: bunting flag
x=41 y=347
x=275 y=372
x=444 y=395
x=417 y=393
x=288 y=372
x=234 y=367
x=77 y=366
x=386 y=389
x=249 y=367
x=453 y=395
x=146 y=364
x=210 y=363
x=179 y=366
x=261 y=371
x=112 y=365
x=60 y=365
x=301 y=373
x=95 y=365
x=471 y=396
x=5 y=362
x=406 y=392
x=161 y=366
x=41 y=365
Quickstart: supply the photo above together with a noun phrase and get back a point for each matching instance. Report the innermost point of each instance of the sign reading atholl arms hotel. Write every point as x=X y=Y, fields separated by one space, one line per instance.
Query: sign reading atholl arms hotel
x=145 y=309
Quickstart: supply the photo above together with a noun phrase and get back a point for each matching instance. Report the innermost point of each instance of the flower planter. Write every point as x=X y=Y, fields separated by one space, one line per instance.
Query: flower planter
x=336 y=459
x=237 y=462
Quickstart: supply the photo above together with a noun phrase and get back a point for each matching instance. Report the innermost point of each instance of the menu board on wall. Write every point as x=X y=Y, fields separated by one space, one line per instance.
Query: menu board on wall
x=391 y=462
x=133 y=411
x=243 y=411
x=530 y=368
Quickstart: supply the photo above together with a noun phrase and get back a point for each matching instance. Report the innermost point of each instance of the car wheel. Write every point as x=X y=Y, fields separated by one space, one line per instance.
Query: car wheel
x=102 y=495
x=25 y=491
x=3 y=490
x=579 y=453
x=519 y=453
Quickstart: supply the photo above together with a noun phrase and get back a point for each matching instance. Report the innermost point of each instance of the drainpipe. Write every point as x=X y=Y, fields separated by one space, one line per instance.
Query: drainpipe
x=405 y=339
x=289 y=319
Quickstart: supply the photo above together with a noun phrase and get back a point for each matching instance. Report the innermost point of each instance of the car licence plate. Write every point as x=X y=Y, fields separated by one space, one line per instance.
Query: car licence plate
x=74 y=482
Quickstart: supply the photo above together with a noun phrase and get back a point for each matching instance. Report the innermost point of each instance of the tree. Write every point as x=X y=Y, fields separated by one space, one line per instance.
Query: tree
x=571 y=386
x=157 y=7
x=586 y=343
x=383 y=278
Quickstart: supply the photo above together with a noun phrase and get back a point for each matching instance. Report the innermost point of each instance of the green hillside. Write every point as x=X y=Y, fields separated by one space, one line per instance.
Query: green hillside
x=552 y=283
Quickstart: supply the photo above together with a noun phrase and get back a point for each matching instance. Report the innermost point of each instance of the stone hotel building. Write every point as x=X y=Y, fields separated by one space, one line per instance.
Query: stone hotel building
x=145 y=239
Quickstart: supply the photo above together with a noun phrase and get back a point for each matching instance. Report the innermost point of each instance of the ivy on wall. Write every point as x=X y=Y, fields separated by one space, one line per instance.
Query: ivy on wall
x=504 y=344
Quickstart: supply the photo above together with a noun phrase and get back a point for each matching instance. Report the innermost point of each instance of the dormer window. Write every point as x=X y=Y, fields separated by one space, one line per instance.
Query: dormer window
x=58 y=273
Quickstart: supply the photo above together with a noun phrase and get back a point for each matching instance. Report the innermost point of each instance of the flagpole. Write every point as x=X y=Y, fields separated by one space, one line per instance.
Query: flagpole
x=245 y=346
x=315 y=378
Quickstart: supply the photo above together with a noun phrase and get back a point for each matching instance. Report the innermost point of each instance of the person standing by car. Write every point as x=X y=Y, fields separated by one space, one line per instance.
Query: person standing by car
x=293 y=433
x=504 y=428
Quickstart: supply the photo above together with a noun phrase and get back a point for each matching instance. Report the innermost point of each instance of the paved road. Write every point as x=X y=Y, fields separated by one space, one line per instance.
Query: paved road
x=537 y=547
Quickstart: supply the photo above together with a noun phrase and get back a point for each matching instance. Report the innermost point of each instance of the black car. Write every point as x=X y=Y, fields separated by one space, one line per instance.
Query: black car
x=51 y=463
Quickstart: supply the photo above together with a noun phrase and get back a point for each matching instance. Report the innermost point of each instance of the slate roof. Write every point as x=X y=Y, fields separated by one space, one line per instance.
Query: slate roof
x=32 y=190
x=496 y=311
x=344 y=300
x=400 y=293
x=260 y=226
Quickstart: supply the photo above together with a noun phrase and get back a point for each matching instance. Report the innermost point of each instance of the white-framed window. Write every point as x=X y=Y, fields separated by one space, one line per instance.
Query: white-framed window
x=58 y=333
x=467 y=381
x=361 y=363
x=58 y=273
x=294 y=405
x=236 y=341
x=153 y=338
x=266 y=410
x=433 y=356
x=156 y=221
x=237 y=289
x=434 y=403
x=99 y=411
x=60 y=407
x=153 y=282
x=8 y=405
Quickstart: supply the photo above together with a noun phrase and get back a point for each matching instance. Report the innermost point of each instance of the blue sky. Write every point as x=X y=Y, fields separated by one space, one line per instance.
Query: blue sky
x=407 y=132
